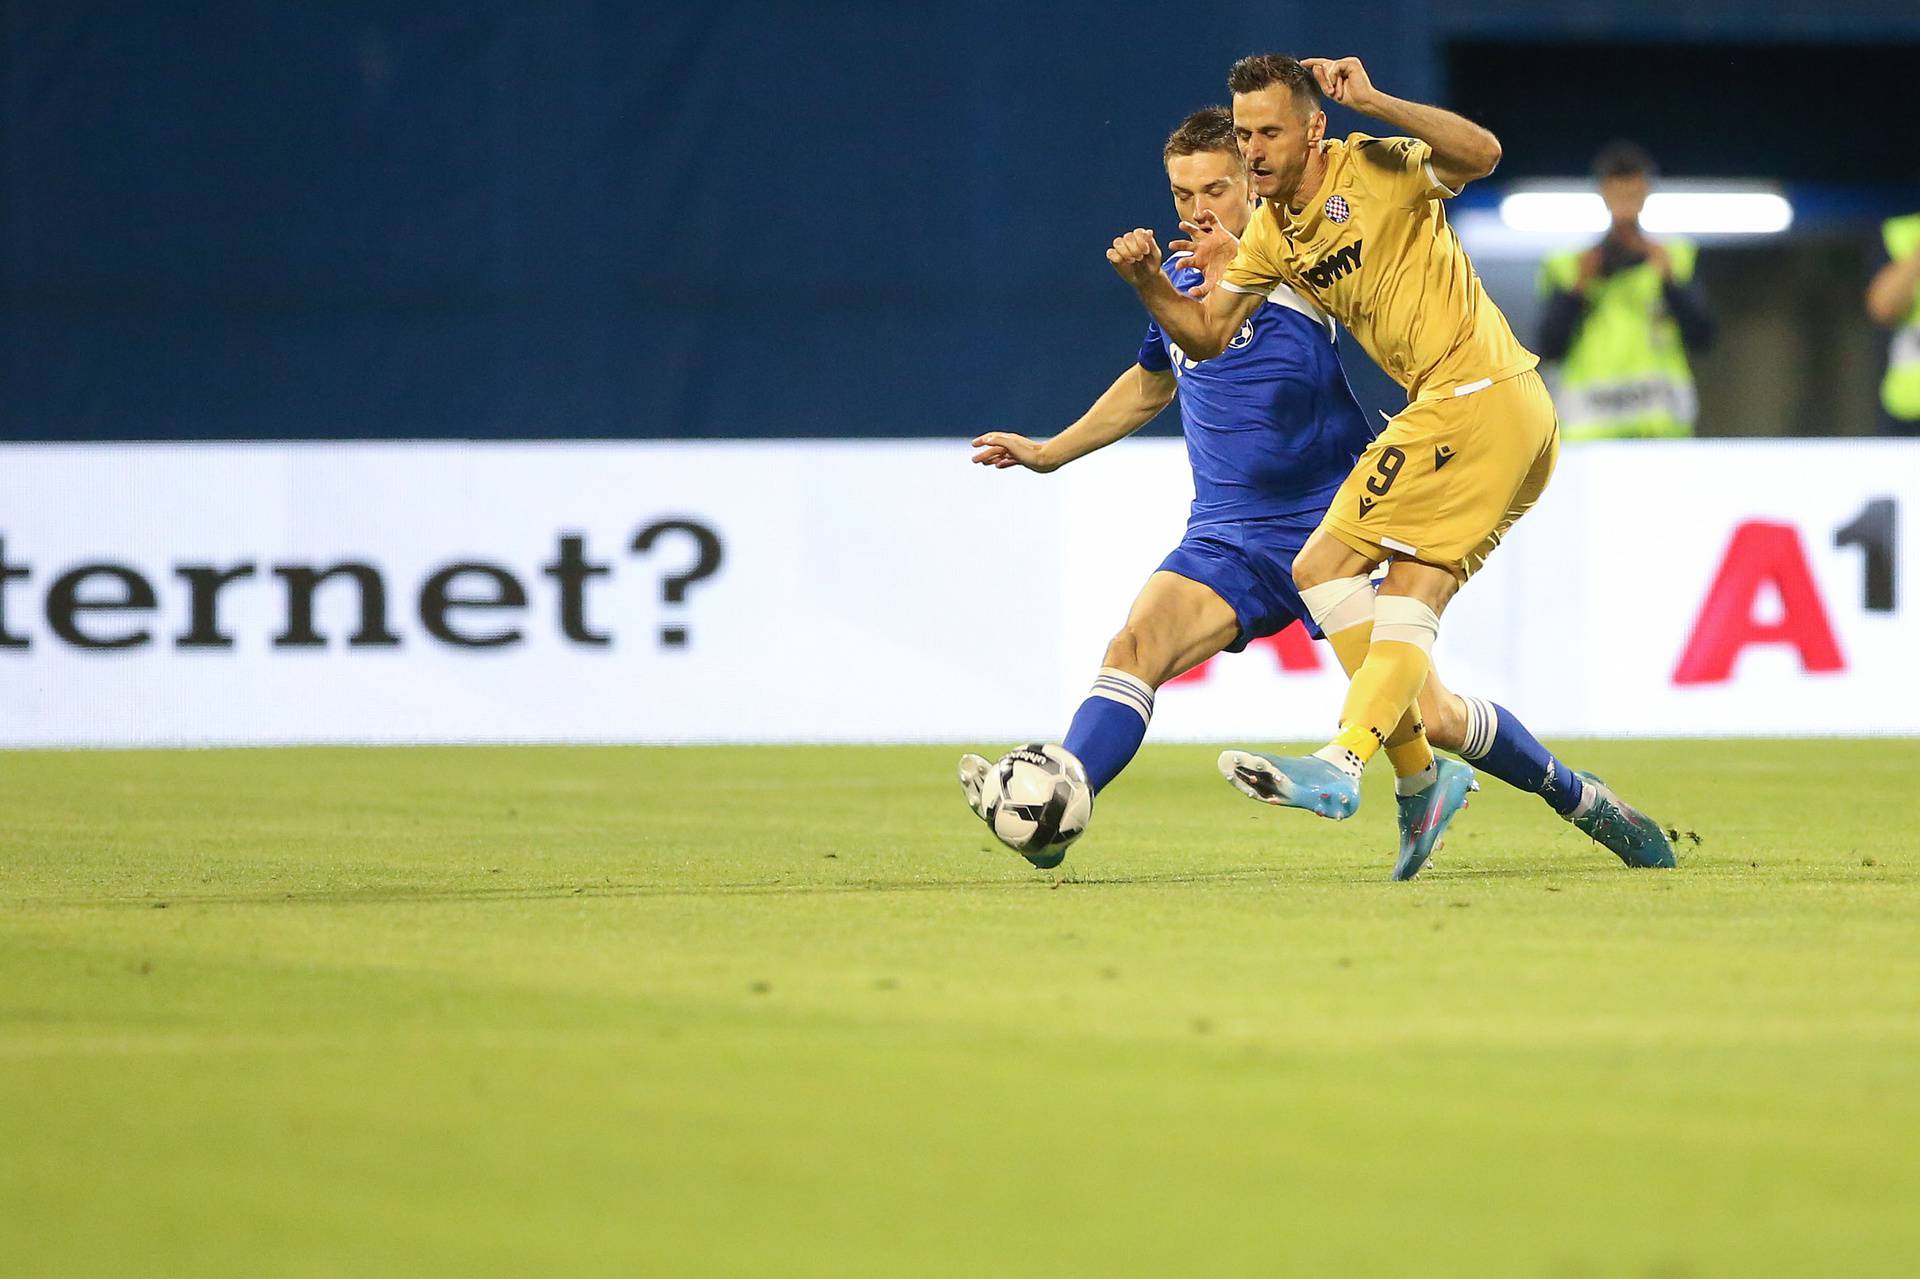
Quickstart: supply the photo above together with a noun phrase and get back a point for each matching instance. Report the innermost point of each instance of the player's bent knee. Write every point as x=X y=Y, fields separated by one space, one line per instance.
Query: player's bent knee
x=1309 y=570
x=1324 y=559
x=1413 y=579
x=1134 y=652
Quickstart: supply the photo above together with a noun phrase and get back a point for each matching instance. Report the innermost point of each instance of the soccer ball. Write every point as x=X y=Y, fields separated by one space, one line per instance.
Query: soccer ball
x=1037 y=801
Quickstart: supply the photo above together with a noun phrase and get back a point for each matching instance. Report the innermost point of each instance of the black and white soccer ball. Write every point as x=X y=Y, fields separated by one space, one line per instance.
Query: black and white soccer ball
x=1037 y=801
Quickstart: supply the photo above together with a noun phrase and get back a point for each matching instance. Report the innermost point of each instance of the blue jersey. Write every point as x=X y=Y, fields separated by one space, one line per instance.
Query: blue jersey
x=1272 y=427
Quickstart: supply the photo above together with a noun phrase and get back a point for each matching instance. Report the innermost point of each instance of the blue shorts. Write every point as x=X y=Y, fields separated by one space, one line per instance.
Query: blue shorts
x=1249 y=564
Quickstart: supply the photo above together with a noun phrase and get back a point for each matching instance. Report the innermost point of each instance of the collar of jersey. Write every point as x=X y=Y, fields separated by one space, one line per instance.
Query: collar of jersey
x=1313 y=207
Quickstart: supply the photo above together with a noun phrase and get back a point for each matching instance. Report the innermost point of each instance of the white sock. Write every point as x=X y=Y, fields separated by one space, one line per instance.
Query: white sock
x=1589 y=796
x=1414 y=783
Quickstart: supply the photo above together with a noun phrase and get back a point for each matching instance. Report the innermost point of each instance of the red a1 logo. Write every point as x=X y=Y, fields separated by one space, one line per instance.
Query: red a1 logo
x=1762 y=555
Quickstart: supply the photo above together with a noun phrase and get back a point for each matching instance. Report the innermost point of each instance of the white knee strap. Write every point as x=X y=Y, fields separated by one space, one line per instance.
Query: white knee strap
x=1406 y=621
x=1344 y=602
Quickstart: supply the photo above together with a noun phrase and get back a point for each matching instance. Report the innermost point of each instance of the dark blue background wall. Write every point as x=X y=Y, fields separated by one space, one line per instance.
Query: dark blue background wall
x=605 y=219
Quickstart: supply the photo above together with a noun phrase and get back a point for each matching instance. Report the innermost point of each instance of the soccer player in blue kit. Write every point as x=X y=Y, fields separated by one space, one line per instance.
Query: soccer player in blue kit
x=1272 y=431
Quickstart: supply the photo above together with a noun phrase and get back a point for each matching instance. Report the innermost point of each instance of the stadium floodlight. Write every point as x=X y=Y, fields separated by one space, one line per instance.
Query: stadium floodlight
x=1681 y=211
x=1717 y=213
x=1554 y=213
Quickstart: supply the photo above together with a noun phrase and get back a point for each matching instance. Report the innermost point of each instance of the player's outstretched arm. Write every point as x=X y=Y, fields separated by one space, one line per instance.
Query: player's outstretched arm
x=1135 y=399
x=1201 y=327
x=1462 y=150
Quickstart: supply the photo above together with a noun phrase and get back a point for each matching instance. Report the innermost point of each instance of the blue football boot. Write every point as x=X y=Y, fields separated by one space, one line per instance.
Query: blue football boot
x=1624 y=830
x=1292 y=781
x=1425 y=816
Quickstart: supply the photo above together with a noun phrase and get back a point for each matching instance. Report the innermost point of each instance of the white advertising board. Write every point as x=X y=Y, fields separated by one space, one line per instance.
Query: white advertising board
x=877 y=591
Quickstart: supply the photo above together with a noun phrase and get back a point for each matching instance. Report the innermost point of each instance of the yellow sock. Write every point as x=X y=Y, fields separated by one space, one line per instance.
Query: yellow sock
x=1350 y=646
x=1407 y=747
x=1383 y=689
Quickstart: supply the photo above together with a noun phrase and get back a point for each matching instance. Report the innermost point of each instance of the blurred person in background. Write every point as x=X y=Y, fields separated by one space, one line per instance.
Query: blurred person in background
x=1622 y=316
x=1893 y=301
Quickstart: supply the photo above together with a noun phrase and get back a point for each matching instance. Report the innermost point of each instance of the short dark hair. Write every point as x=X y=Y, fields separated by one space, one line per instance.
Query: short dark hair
x=1208 y=129
x=1624 y=159
x=1259 y=71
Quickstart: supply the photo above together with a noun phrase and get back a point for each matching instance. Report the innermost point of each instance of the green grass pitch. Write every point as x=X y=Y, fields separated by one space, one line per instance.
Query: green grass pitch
x=786 y=1012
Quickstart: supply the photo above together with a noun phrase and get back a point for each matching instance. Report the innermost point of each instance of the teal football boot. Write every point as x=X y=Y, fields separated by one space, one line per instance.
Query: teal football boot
x=1624 y=830
x=1303 y=781
x=1424 y=817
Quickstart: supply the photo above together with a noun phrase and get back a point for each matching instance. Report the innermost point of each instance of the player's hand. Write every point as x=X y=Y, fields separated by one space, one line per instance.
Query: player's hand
x=1589 y=269
x=1002 y=449
x=1213 y=248
x=1344 y=80
x=1136 y=257
x=1657 y=255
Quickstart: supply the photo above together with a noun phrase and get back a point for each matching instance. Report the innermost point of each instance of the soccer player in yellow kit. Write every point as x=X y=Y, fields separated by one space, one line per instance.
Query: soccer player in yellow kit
x=1358 y=226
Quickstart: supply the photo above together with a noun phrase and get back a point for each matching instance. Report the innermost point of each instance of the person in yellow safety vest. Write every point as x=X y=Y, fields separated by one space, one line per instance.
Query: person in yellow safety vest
x=1893 y=300
x=1621 y=318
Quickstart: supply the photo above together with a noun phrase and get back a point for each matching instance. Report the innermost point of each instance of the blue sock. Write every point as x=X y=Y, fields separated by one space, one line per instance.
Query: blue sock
x=1109 y=726
x=1498 y=744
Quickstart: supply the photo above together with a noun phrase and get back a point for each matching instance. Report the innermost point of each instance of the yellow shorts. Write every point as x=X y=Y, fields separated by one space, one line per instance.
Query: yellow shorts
x=1449 y=476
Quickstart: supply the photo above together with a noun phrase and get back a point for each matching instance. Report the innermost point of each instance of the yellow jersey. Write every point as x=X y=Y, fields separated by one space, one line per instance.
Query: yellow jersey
x=1373 y=248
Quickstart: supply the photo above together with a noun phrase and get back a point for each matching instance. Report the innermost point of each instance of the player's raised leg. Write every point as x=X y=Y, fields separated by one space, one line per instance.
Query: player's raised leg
x=1437 y=491
x=1406 y=620
x=1334 y=585
x=1428 y=792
